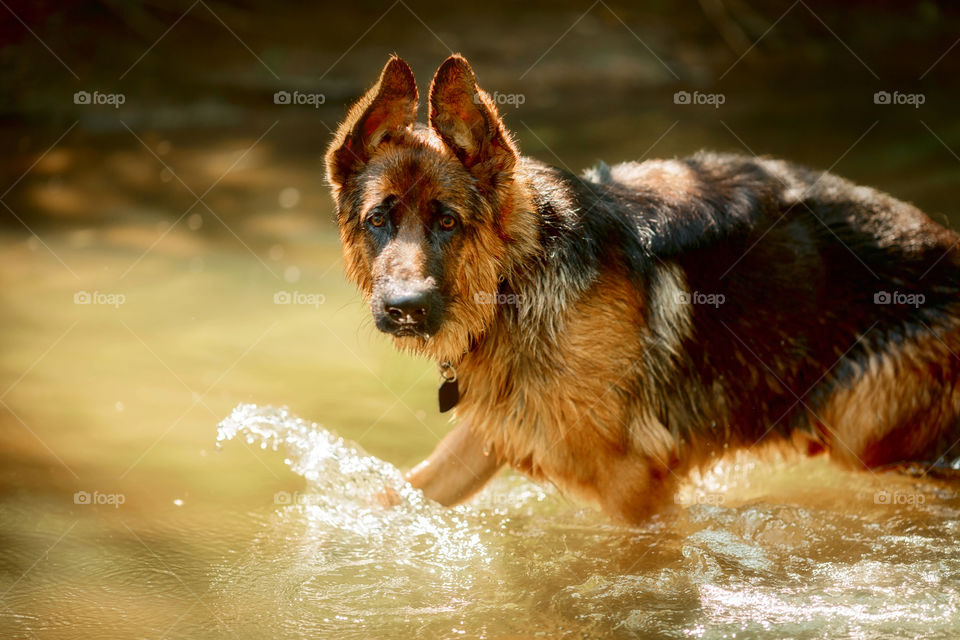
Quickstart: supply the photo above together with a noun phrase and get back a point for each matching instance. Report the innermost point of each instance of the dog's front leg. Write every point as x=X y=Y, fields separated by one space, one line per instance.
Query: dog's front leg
x=456 y=469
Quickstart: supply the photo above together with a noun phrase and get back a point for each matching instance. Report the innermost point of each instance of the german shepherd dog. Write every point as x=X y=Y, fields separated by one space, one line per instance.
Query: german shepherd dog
x=609 y=332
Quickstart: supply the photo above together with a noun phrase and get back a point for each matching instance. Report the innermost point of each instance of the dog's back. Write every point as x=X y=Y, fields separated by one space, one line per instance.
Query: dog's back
x=803 y=302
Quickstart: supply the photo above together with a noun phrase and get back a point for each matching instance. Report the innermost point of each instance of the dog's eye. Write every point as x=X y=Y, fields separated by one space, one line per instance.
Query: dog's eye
x=447 y=222
x=377 y=220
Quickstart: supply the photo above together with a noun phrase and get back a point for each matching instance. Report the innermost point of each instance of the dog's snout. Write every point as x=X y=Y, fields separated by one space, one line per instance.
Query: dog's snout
x=407 y=308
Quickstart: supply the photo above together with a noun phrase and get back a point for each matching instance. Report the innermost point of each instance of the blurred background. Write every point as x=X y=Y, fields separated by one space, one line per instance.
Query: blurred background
x=168 y=247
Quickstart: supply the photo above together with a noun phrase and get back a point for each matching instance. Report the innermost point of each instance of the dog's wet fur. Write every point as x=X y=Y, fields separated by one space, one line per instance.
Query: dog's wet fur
x=609 y=331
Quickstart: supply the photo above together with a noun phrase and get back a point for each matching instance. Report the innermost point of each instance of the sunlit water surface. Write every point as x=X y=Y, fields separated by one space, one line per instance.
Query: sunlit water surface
x=521 y=561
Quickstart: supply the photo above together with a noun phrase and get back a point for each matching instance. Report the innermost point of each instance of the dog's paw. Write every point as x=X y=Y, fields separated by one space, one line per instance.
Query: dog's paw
x=387 y=498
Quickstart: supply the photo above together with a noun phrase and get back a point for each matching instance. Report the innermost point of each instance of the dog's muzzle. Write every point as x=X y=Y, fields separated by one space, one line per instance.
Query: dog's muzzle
x=408 y=311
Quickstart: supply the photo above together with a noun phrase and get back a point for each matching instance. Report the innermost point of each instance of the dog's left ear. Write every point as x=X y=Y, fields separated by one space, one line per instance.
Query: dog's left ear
x=386 y=109
x=465 y=117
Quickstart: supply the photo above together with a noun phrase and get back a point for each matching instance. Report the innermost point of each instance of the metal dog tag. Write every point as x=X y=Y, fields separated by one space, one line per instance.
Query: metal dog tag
x=449 y=393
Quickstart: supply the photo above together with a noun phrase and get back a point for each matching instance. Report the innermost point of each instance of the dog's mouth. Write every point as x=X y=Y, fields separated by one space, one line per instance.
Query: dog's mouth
x=410 y=332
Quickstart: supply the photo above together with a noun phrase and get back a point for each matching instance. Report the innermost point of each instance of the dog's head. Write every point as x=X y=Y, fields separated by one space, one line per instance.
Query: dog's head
x=429 y=215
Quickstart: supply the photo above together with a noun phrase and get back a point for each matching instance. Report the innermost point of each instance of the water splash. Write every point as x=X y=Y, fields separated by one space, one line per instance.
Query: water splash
x=346 y=488
x=340 y=564
x=322 y=458
x=758 y=549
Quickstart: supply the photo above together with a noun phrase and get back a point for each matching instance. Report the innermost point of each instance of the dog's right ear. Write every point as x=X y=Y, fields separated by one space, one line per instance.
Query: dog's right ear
x=386 y=109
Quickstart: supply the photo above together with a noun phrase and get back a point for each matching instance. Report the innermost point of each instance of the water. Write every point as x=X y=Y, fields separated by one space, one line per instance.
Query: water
x=519 y=557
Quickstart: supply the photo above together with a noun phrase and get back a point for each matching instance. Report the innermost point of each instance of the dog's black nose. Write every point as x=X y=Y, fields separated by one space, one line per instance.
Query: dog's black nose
x=407 y=308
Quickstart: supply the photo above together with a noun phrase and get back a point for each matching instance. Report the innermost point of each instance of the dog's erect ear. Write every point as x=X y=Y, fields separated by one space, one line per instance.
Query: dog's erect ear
x=389 y=107
x=466 y=118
